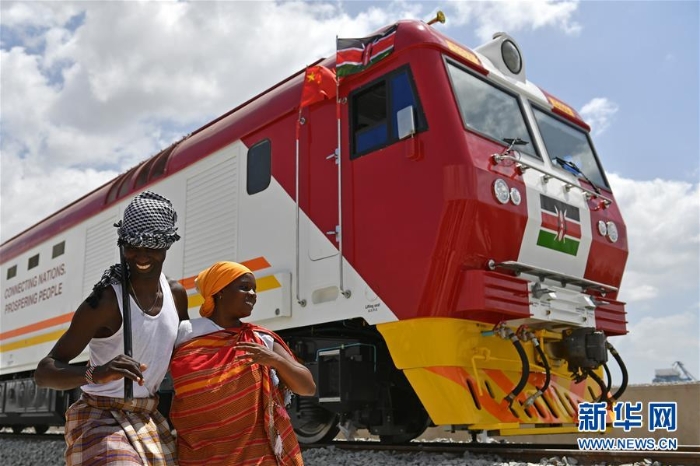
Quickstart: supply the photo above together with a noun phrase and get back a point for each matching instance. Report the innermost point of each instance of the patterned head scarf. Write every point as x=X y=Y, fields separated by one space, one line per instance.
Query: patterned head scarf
x=214 y=279
x=149 y=222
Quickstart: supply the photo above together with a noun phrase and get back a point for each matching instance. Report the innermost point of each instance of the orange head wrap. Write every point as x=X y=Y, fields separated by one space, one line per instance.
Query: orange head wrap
x=214 y=279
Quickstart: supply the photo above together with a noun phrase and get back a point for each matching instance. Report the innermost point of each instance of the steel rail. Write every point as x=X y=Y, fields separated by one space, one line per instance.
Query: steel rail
x=685 y=455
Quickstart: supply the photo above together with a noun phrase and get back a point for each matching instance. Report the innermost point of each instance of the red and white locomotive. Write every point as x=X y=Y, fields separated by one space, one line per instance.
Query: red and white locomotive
x=454 y=260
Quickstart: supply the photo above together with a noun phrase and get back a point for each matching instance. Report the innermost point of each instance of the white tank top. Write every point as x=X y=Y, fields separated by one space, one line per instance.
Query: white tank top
x=153 y=338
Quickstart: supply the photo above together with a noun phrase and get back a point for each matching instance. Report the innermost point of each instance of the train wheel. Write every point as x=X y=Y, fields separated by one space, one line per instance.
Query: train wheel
x=17 y=429
x=315 y=424
x=410 y=430
x=41 y=429
x=408 y=417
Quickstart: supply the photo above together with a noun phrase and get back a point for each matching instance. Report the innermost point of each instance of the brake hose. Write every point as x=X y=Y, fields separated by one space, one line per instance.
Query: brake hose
x=526 y=367
x=623 y=369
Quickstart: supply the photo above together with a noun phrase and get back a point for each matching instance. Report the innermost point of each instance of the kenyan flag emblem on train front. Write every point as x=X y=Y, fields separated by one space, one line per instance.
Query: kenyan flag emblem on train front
x=561 y=226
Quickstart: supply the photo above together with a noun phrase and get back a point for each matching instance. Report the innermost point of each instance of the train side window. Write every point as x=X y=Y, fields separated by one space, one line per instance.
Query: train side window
x=259 y=171
x=374 y=111
x=369 y=119
x=58 y=249
x=12 y=272
x=33 y=262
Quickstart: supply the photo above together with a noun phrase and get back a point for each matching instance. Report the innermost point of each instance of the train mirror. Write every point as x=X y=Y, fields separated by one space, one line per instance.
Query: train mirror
x=405 y=122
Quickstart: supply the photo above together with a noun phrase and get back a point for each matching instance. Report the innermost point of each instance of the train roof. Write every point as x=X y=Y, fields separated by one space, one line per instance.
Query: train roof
x=231 y=126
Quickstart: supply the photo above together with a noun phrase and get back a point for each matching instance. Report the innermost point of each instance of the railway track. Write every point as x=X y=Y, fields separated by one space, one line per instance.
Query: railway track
x=684 y=456
x=31 y=436
x=534 y=453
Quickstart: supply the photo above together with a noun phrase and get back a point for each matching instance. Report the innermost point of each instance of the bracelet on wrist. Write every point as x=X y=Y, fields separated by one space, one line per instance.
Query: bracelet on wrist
x=89 y=372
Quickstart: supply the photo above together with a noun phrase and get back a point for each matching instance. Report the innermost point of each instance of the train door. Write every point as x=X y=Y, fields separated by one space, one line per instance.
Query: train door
x=383 y=123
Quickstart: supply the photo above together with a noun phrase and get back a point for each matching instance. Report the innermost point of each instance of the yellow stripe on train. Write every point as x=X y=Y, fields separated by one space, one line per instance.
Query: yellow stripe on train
x=31 y=341
x=266 y=283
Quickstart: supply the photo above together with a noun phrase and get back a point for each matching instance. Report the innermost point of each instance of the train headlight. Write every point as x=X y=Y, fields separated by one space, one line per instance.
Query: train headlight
x=602 y=228
x=515 y=197
x=511 y=56
x=612 y=232
x=501 y=191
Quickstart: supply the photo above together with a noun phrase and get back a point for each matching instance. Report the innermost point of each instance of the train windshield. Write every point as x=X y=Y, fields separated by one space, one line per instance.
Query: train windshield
x=569 y=148
x=489 y=110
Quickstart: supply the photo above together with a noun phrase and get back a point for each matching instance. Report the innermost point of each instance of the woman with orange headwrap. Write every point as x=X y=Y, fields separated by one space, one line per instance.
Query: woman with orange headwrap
x=230 y=379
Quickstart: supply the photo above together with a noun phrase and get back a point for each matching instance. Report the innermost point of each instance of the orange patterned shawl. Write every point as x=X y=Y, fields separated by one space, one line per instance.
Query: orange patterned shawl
x=225 y=411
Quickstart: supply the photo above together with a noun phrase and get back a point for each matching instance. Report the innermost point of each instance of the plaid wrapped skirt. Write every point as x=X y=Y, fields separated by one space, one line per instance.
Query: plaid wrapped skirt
x=108 y=431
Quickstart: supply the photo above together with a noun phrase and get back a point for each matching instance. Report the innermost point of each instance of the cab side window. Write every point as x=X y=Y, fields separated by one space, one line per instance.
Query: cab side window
x=374 y=109
x=259 y=172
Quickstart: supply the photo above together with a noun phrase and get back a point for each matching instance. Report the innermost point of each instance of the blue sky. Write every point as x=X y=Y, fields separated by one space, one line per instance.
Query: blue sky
x=89 y=89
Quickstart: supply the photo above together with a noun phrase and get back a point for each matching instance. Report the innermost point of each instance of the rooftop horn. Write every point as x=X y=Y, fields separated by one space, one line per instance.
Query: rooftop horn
x=439 y=18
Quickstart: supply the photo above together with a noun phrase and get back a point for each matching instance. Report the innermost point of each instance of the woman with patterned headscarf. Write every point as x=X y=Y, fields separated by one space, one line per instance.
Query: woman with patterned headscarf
x=102 y=427
x=232 y=379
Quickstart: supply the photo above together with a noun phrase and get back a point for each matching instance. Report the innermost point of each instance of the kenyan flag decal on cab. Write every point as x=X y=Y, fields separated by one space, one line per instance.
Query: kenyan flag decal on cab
x=561 y=226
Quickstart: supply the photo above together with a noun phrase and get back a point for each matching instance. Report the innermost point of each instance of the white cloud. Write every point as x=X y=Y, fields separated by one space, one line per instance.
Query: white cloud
x=37 y=14
x=599 y=113
x=656 y=342
x=30 y=90
x=514 y=16
x=663 y=230
x=26 y=196
x=662 y=276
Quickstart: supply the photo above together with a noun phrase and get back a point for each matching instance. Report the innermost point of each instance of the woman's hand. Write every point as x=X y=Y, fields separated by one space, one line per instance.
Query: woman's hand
x=118 y=368
x=294 y=374
x=254 y=353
